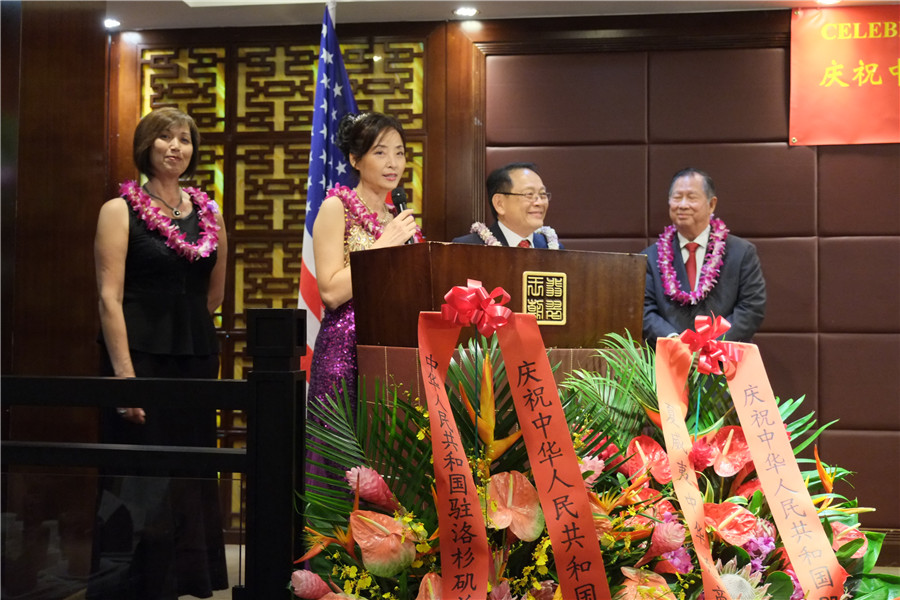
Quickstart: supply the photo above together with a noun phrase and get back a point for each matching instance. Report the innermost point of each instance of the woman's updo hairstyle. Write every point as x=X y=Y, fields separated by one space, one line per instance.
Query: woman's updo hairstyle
x=357 y=133
x=151 y=127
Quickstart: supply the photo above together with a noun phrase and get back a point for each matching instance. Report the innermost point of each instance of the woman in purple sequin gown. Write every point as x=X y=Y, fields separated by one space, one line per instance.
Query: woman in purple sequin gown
x=351 y=220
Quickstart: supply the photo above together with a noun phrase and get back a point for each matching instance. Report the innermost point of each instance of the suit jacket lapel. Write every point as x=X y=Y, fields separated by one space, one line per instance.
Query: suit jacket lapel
x=498 y=233
x=680 y=268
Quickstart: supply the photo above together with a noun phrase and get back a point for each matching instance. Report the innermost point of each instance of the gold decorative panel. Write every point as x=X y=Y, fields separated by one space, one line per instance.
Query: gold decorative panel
x=275 y=88
x=270 y=181
x=192 y=79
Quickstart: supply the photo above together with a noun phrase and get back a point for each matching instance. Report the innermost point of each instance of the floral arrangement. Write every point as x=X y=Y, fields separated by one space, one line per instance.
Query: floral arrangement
x=175 y=238
x=373 y=529
x=709 y=271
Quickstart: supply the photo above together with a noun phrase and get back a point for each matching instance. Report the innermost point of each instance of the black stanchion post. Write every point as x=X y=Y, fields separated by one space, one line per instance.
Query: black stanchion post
x=276 y=338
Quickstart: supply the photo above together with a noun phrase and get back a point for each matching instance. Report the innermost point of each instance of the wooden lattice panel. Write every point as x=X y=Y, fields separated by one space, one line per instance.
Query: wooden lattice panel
x=275 y=88
x=270 y=179
x=192 y=79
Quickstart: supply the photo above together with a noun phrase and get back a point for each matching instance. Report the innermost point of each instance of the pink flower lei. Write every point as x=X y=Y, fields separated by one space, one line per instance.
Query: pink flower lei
x=174 y=237
x=709 y=272
x=489 y=240
x=358 y=211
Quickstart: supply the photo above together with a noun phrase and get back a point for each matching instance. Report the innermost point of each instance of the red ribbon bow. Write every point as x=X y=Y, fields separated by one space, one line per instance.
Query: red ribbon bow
x=711 y=351
x=472 y=305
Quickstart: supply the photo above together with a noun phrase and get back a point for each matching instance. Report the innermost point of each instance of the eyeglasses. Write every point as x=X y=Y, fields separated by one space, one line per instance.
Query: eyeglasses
x=530 y=196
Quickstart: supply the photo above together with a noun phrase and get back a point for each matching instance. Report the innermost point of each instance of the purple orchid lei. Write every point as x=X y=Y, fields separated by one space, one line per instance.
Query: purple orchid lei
x=174 y=237
x=489 y=240
x=709 y=272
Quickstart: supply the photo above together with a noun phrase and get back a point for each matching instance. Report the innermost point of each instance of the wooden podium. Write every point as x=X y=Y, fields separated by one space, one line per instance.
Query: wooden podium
x=593 y=293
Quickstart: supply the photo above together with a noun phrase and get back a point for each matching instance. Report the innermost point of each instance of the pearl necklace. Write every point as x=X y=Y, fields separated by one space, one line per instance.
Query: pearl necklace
x=175 y=212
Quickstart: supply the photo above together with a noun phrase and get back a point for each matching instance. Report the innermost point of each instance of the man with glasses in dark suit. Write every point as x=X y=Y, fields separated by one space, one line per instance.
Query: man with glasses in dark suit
x=519 y=204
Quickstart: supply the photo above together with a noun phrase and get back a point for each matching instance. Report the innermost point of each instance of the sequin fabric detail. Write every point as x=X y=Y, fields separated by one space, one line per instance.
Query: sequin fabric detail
x=334 y=356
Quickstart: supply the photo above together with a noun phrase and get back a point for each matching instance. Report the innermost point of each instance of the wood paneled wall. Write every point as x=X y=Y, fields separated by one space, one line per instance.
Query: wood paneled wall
x=609 y=109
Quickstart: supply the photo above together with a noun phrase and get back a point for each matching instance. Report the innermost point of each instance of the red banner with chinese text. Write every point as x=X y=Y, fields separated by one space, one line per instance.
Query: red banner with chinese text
x=552 y=457
x=793 y=511
x=845 y=75
x=464 y=547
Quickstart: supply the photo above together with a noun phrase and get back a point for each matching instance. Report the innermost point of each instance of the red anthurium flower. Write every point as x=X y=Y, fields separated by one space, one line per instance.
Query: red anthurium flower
x=734 y=524
x=647 y=455
x=388 y=546
x=748 y=489
x=641 y=584
x=308 y=585
x=513 y=502
x=734 y=452
x=430 y=588
x=844 y=535
x=727 y=451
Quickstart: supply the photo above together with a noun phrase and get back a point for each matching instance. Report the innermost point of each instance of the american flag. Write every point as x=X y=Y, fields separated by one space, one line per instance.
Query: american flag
x=327 y=167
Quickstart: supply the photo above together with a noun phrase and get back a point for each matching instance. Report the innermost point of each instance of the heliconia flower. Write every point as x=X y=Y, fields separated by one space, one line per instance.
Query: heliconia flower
x=641 y=584
x=734 y=524
x=318 y=542
x=595 y=466
x=826 y=477
x=647 y=455
x=308 y=585
x=372 y=488
x=667 y=536
x=486 y=420
x=430 y=588
x=388 y=546
x=512 y=501
x=844 y=535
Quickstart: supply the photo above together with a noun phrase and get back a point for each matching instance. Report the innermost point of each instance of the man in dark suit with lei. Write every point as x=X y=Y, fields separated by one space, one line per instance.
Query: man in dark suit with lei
x=519 y=203
x=697 y=268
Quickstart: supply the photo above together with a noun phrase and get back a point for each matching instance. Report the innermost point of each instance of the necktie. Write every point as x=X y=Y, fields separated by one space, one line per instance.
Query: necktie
x=692 y=263
x=524 y=244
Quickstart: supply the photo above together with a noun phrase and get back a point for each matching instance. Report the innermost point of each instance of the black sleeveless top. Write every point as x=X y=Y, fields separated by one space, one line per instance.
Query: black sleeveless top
x=165 y=294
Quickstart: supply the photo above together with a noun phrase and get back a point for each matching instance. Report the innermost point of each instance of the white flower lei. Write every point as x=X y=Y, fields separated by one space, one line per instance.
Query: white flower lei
x=489 y=240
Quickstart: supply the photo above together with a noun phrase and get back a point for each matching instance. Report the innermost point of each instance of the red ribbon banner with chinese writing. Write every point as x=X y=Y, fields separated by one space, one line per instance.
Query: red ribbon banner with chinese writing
x=794 y=513
x=557 y=477
x=673 y=364
x=845 y=75
x=464 y=548
x=551 y=454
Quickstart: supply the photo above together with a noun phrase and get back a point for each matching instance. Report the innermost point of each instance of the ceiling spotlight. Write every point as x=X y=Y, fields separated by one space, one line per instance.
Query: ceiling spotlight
x=466 y=11
x=828 y=2
x=111 y=23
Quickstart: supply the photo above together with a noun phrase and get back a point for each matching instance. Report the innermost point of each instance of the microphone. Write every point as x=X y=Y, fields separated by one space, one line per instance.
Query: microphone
x=398 y=198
